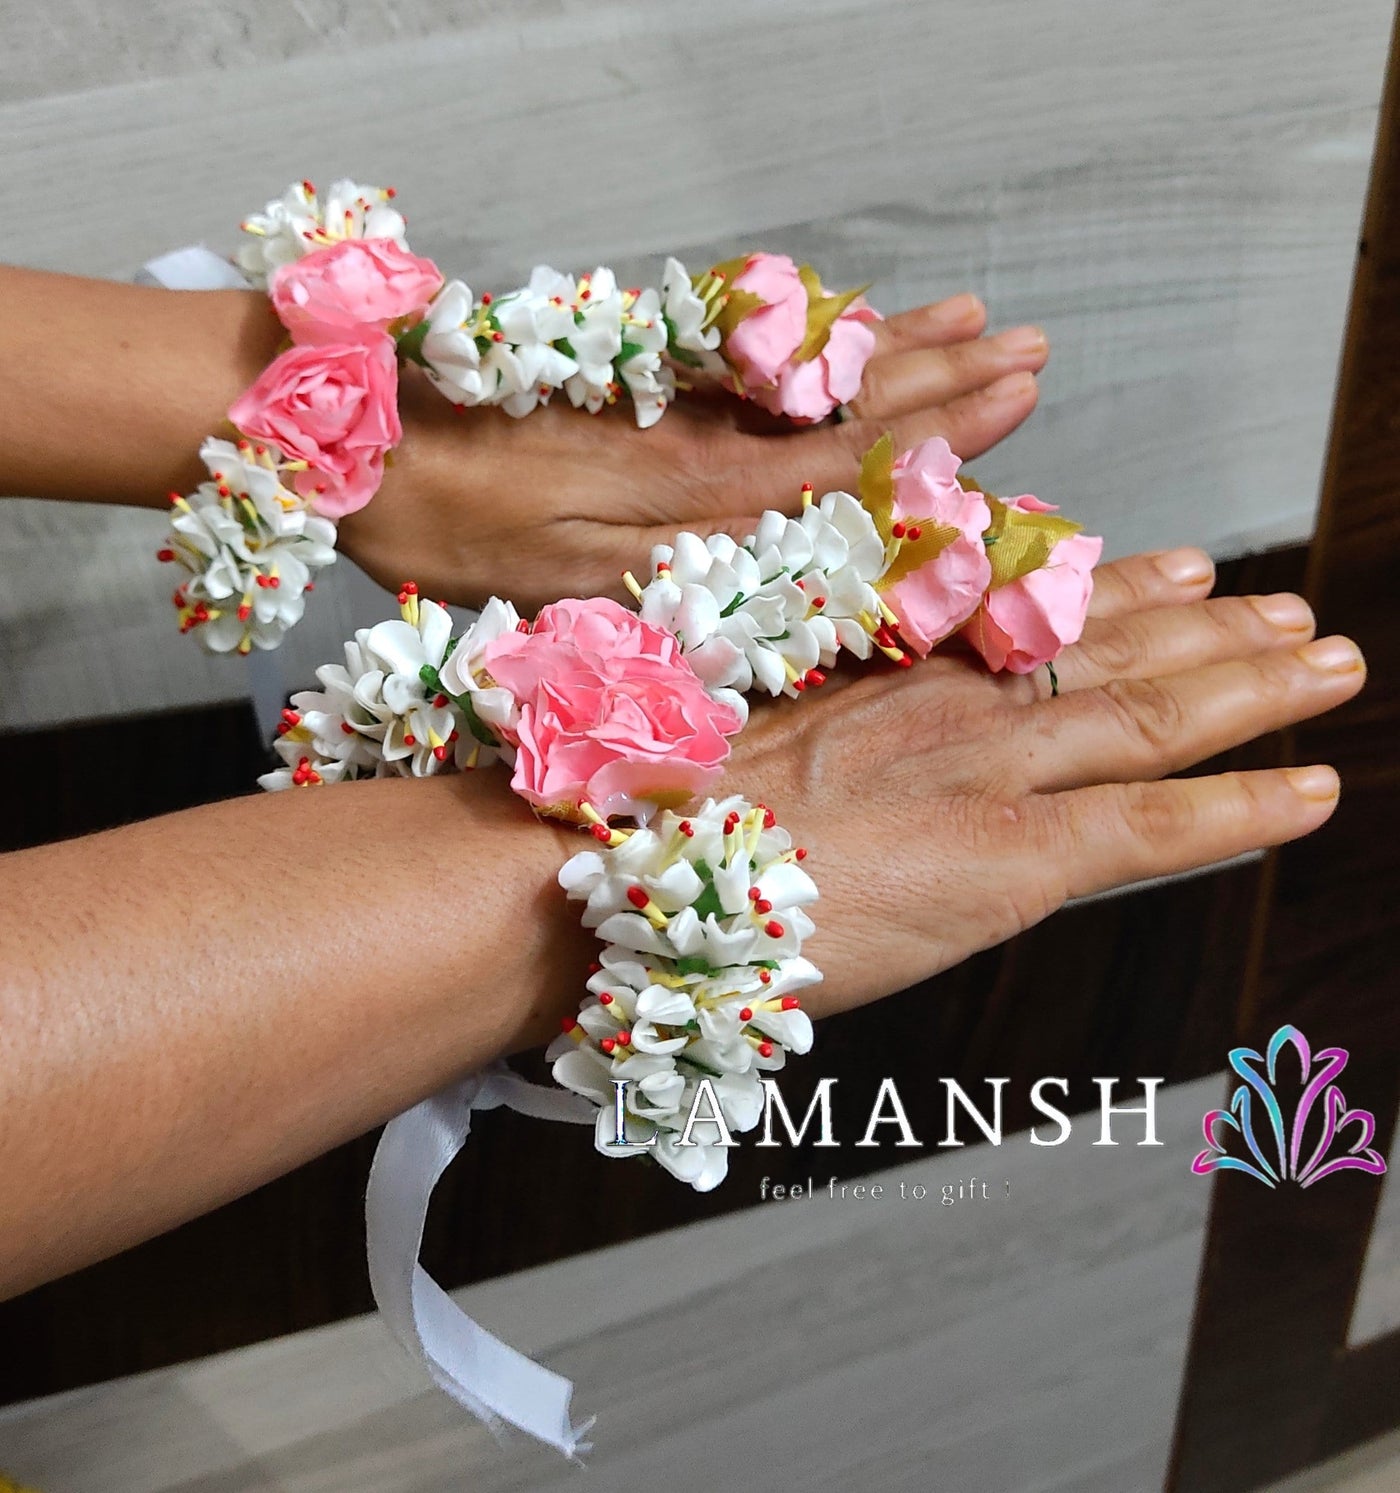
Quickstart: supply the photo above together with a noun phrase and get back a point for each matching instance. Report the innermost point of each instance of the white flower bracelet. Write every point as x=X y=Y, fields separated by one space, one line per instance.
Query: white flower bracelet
x=356 y=303
x=606 y=715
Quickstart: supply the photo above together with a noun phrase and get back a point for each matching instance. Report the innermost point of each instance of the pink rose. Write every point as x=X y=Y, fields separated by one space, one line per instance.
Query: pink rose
x=937 y=598
x=611 y=712
x=351 y=291
x=1026 y=622
x=333 y=406
x=762 y=346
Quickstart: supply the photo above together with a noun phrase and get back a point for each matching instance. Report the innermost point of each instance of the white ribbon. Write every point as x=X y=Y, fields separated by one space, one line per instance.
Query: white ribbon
x=192 y=268
x=479 y=1371
x=490 y=1378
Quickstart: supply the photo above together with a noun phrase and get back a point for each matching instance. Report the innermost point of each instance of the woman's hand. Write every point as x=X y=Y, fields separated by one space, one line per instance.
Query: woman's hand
x=559 y=503
x=947 y=808
x=474 y=503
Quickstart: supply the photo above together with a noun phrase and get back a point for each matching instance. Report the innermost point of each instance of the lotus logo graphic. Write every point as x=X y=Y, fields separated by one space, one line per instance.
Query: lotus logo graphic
x=1273 y=1140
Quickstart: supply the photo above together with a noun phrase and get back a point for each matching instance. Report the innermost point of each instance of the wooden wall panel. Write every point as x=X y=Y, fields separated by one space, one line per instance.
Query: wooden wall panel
x=1142 y=984
x=1271 y=1384
x=1172 y=189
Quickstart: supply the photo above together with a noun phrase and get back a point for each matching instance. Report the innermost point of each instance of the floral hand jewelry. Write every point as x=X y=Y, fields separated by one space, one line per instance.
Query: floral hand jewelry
x=313 y=433
x=606 y=715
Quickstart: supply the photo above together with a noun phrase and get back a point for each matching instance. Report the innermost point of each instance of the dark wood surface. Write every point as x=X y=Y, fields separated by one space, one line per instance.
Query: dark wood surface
x=1271 y=1385
x=1138 y=985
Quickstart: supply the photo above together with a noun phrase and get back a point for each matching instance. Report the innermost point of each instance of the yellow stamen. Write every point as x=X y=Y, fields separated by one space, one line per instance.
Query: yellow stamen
x=630 y=581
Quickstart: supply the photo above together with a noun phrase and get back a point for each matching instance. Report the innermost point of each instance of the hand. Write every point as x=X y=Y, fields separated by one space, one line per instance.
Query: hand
x=559 y=503
x=947 y=808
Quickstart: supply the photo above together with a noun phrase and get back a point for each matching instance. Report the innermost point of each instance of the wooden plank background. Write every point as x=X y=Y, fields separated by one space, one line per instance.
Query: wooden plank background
x=1172 y=189
x=1025 y=1343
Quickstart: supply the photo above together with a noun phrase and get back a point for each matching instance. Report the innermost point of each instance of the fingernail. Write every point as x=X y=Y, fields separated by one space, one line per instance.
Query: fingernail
x=1332 y=656
x=1027 y=341
x=1187 y=567
x=1320 y=783
x=1284 y=610
x=962 y=306
x=1013 y=388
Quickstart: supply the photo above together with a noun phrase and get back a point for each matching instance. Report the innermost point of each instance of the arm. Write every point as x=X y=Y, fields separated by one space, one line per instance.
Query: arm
x=107 y=390
x=194 y=1005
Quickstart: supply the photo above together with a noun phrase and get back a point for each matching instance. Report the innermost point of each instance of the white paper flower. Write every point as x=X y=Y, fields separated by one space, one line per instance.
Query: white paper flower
x=252 y=548
x=377 y=715
x=651 y=384
x=298 y=222
x=488 y=708
x=449 y=351
x=595 y=340
x=691 y=341
x=702 y=917
x=773 y=612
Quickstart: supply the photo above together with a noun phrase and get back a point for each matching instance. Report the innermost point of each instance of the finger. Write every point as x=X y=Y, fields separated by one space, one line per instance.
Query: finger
x=935 y=325
x=1170 y=640
x=830 y=457
x=1151 y=580
x=972 y=424
x=1147 y=728
x=904 y=382
x=1113 y=835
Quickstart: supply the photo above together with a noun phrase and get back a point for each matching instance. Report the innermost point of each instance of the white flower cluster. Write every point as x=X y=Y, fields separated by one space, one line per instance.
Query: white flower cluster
x=702 y=917
x=299 y=221
x=588 y=337
x=407 y=702
x=773 y=612
x=251 y=545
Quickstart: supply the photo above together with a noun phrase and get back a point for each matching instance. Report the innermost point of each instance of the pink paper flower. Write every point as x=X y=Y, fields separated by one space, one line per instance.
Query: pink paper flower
x=1026 y=622
x=937 y=598
x=352 y=290
x=611 y=712
x=762 y=346
x=333 y=406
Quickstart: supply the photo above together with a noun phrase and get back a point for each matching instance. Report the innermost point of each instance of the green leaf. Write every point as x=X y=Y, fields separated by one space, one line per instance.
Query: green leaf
x=482 y=734
x=410 y=344
x=708 y=900
x=823 y=311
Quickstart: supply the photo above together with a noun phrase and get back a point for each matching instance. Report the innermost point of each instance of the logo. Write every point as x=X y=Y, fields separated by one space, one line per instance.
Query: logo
x=1275 y=1139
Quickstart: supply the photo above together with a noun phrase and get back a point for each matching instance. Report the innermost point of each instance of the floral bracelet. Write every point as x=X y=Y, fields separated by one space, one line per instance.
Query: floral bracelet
x=313 y=433
x=619 y=721
x=603 y=713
